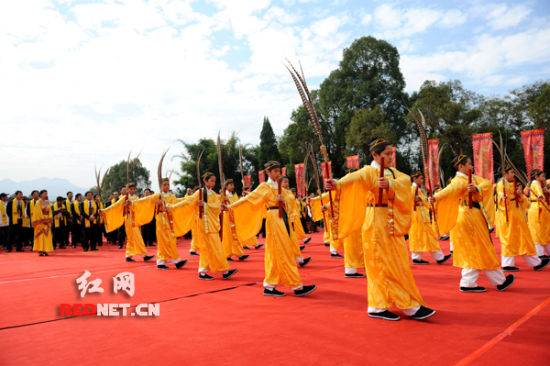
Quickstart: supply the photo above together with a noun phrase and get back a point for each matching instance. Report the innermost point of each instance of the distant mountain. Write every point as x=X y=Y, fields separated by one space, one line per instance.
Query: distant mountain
x=56 y=187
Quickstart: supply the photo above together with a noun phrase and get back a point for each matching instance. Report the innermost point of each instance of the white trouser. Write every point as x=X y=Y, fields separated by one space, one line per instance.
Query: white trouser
x=161 y=262
x=351 y=270
x=300 y=260
x=407 y=312
x=451 y=246
x=333 y=250
x=437 y=256
x=271 y=287
x=542 y=249
x=531 y=260
x=470 y=276
x=192 y=251
x=205 y=271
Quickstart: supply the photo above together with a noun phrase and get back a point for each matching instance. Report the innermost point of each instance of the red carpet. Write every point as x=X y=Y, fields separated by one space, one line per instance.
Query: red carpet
x=230 y=322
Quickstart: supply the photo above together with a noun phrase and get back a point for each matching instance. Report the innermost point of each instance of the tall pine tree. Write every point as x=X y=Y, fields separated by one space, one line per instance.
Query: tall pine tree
x=268 y=144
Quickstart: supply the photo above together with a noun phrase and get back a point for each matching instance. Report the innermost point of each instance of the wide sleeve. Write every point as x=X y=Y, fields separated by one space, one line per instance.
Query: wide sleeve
x=316 y=204
x=183 y=214
x=114 y=215
x=487 y=193
x=144 y=209
x=447 y=204
x=350 y=201
x=401 y=199
x=249 y=211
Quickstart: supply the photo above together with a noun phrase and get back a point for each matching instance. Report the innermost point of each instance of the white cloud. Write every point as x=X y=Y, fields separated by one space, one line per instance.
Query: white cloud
x=387 y=17
x=366 y=19
x=502 y=16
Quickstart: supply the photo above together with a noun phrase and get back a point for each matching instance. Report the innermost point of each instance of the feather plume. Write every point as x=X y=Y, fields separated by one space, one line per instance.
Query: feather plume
x=220 y=163
x=159 y=168
x=241 y=164
x=199 y=157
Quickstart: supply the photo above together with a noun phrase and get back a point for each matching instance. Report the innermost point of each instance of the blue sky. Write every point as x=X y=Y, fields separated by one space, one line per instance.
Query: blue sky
x=84 y=82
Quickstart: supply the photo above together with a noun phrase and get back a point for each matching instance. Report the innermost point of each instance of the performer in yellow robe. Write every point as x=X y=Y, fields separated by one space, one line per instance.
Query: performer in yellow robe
x=539 y=213
x=280 y=254
x=230 y=242
x=512 y=229
x=422 y=237
x=390 y=279
x=42 y=223
x=157 y=205
x=123 y=212
x=473 y=250
x=186 y=213
x=316 y=204
x=193 y=247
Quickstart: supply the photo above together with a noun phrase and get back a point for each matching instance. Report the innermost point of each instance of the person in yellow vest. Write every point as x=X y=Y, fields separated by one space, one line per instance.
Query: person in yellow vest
x=539 y=213
x=35 y=197
x=207 y=235
x=511 y=225
x=90 y=222
x=16 y=209
x=280 y=255
x=42 y=224
x=156 y=205
x=422 y=237
x=4 y=221
x=69 y=216
x=230 y=243
x=384 y=223
x=469 y=227
x=123 y=213
x=100 y=221
x=60 y=214
x=148 y=230
x=78 y=231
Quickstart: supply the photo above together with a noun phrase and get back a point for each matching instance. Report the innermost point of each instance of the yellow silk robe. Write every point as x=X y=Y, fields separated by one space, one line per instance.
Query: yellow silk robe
x=538 y=215
x=468 y=227
x=422 y=237
x=295 y=217
x=316 y=204
x=390 y=279
x=230 y=242
x=42 y=223
x=149 y=206
x=280 y=253
x=207 y=235
x=114 y=217
x=515 y=237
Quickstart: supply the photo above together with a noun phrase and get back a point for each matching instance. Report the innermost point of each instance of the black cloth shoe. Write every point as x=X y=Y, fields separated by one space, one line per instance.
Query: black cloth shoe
x=544 y=262
x=40 y=254
x=422 y=313
x=444 y=237
x=243 y=257
x=510 y=269
x=181 y=264
x=386 y=315
x=73 y=246
x=258 y=246
x=246 y=248
x=445 y=259
x=509 y=280
x=335 y=255
x=163 y=267
x=95 y=250
x=355 y=275
x=205 y=276
x=130 y=259
x=273 y=292
x=305 y=262
x=327 y=244
x=230 y=273
x=120 y=246
x=147 y=258
x=544 y=256
x=61 y=247
x=229 y=259
x=46 y=254
x=302 y=247
x=305 y=290
x=306 y=240
x=194 y=253
x=420 y=261
x=473 y=289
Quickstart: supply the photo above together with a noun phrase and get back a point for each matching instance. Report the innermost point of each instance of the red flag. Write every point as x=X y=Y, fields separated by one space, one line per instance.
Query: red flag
x=247 y=181
x=352 y=161
x=432 y=172
x=483 y=155
x=300 y=183
x=327 y=173
x=283 y=171
x=393 y=156
x=533 y=148
x=261 y=175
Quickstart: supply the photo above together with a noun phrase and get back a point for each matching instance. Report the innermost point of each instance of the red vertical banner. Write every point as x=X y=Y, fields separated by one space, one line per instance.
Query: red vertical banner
x=300 y=183
x=432 y=173
x=247 y=181
x=483 y=155
x=327 y=172
x=394 y=156
x=352 y=161
x=283 y=171
x=533 y=148
x=261 y=176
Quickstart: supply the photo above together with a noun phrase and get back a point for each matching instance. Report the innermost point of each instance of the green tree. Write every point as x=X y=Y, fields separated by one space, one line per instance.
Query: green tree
x=116 y=178
x=268 y=144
